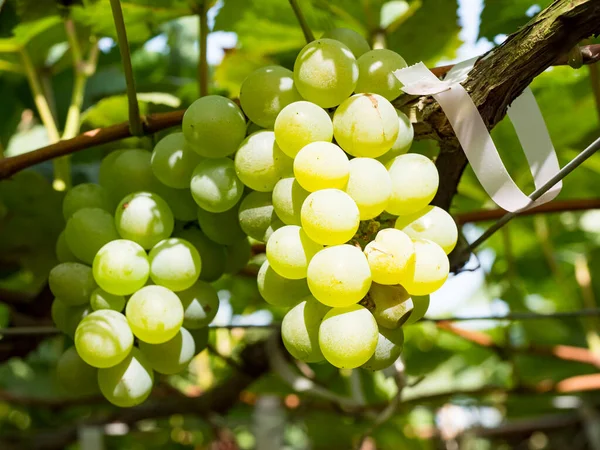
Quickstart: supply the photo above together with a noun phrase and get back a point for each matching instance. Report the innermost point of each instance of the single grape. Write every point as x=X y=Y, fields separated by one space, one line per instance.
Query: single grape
x=175 y=264
x=353 y=40
x=128 y=383
x=325 y=72
x=173 y=356
x=63 y=252
x=391 y=256
x=212 y=255
x=88 y=230
x=260 y=163
x=389 y=347
x=180 y=201
x=200 y=305
x=415 y=181
x=289 y=251
x=431 y=223
x=257 y=216
x=339 y=275
x=200 y=337
x=406 y=134
x=100 y=299
x=66 y=318
x=173 y=161
x=215 y=185
x=321 y=165
x=420 y=307
x=279 y=291
x=365 y=125
x=214 y=126
x=74 y=375
x=222 y=228
x=238 y=255
x=105 y=170
x=430 y=270
x=330 y=217
x=369 y=185
x=376 y=73
x=72 y=282
x=103 y=338
x=129 y=172
x=253 y=128
x=348 y=336
x=299 y=124
x=86 y=195
x=300 y=330
x=288 y=197
x=390 y=305
x=121 y=267
x=155 y=314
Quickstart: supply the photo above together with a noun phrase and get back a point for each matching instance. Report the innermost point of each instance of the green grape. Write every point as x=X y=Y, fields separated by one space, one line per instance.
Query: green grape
x=325 y=72
x=66 y=318
x=388 y=350
x=257 y=216
x=238 y=255
x=100 y=299
x=155 y=314
x=415 y=182
x=180 y=201
x=215 y=185
x=214 y=126
x=406 y=133
x=200 y=305
x=390 y=305
x=330 y=217
x=431 y=223
x=288 y=198
x=88 y=230
x=212 y=255
x=430 y=269
x=265 y=92
x=128 y=383
x=144 y=218
x=391 y=256
x=348 y=336
x=376 y=73
x=173 y=356
x=128 y=172
x=105 y=171
x=279 y=291
x=260 y=163
x=86 y=195
x=299 y=124
x=103 y=338
x=63 y=252
x=200 y=337
x=173 y=161
x=72 y=282
x=222 y=228
x=289 y=251
x=353 y=40
x=339 y=275
x=321 y=165
x=420 y=307
x=369 y=185
x=366 y=125
x=253 y=128
x=121 y=267
x=175 y=264
x=300 y=330
x=74 y=375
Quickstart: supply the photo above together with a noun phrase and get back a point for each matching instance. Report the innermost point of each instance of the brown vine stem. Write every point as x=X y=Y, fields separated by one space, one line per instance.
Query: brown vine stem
x=308 y=35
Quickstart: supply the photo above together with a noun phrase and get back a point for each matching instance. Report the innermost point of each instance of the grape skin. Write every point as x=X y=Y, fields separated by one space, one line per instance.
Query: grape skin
x=238 y=255
x=100 y=299
x=121 y=267
x=420 y=307
x=280 y=291
x=430 y=270
x=288 y=197
x=86 y=195
x=222 y=228
x=173 y=356
x=212 y=255
x=289 y=251
x=200 y=304
x=174 y=264
x=215 y=186
x=406 y=134
x=431 y=223
x=180 y=201
x=63 y=252
x=321 y=165
x=390 y=305
x=391 y=256
x=369 y=185
x=354 y=41
x=74 y=375
x=67 y=318
x=88 y=230
x=415 y=181
x=128 y=172
x=375 y=73
x=72 y=282
x=388 y=349
x=257 y=216
x=300 y=330
x=200 y=338
x=173 y=161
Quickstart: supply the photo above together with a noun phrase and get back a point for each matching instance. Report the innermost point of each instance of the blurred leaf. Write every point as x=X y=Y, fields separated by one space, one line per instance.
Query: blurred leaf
x=506 y=16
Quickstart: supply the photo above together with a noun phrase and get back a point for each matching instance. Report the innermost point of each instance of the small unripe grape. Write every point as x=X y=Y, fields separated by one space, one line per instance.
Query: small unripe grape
x=406 y=134
x=173 y=356
x=215 y=186
x=354 y=41
x=212 y=255
x=174 y=264
x=100 y=299
x=173 y=161
x=72 y=282
x=75 y=375
x=257 y=216
x=420 y=307
x=431 y=223
x=127 y=172
x=288 y=197
x=86 y=195
x=121 y=267
x=390 y=305
x=200 y=305
x=300 y=330
x=222 y=228
x=280 y=291
x=376 y=73
x=389 y=347
x=289 y=251
x=88 y=230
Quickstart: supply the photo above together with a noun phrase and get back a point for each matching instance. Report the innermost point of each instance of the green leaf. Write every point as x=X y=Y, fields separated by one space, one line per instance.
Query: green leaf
x=506 y=16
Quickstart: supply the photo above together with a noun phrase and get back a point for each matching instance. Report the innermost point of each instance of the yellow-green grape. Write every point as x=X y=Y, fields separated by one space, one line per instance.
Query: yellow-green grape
x=155 y=314
x=173 y=161
x=175 y=264
x=74 y=375
x=105 y=170
x=353 y=40
x=330 y=217
x=100 y=299
x=365 y=125
x=180 y=201
x=257 y=216
x=212 y=255
x=321 y=165
x=260 y=163
x=348 y=336
x=200 y=337
x=238 y=255
x=406 y=134
x=288 y=197
x=420 y=307
x=376 y=73
x=390 y=305
x=66 y=318
x=63 y=252
x=415 y=182
x=214 y=126
x=200 y=305
x=300 y=330
x=280 y=291
x=325 y=72
x=128 y=172
x=88 y=230
x=222 y=228
x=215 y=185
x=72 y=282
x=389 y=347
x=265 y=92
x=128 y=383
x=430 y=270
x=369 y=185
x=173 y=356
x=289 y=251
x=86 y=195
x=103 y=338
x=144 y=218
x=431 y=223
x=391 y=256
x=299 y=124
x=121 y=267
x=339 y=275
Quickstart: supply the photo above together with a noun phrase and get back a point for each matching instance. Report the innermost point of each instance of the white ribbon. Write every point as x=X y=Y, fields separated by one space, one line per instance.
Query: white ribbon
x=476 y=140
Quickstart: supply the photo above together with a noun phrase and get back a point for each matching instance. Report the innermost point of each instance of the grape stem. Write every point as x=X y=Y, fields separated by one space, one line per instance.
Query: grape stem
x=308 y=35
x=202 y=56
